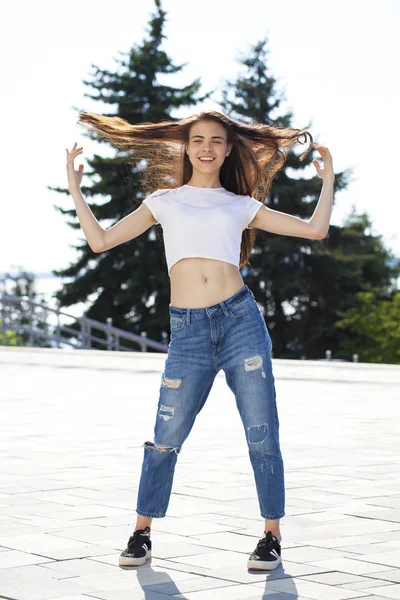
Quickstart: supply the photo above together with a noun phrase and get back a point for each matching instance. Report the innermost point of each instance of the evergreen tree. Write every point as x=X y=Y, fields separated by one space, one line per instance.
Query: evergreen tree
x=302 y=284
x=128 y=283
x=351 y=261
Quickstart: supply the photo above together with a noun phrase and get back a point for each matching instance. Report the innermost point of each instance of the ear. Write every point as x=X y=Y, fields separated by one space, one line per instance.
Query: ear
x=228 y=150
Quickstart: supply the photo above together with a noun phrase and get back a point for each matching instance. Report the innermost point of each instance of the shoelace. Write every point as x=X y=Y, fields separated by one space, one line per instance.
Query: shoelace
x=264 y=543
x=134 y=539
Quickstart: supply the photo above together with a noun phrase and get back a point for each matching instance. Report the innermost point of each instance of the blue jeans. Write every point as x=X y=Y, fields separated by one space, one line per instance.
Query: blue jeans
x=232 y=336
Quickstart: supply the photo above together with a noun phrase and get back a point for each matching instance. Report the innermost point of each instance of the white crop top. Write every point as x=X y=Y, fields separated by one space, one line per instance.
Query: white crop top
x=202 y=222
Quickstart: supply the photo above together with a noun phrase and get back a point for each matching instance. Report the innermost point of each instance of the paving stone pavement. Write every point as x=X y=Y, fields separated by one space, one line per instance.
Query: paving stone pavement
x=72 y=428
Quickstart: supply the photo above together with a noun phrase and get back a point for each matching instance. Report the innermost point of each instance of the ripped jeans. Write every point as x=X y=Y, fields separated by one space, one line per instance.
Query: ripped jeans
x=232 y=336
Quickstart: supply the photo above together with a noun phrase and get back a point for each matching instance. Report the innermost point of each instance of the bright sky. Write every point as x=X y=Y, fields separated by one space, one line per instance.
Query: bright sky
x=335 y=63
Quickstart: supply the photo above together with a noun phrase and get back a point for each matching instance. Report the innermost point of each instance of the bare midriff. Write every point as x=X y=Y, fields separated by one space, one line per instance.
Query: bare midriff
x=201 y=282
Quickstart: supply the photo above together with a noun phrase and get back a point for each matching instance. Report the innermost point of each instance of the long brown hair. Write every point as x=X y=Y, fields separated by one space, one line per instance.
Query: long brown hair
x=258 y=152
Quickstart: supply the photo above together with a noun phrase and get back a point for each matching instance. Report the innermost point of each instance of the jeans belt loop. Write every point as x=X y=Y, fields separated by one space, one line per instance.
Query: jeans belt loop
x=188 y=316
x=225 y=310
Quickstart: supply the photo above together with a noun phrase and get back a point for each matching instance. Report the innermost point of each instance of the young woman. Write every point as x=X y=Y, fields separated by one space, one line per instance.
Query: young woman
x=206 y=170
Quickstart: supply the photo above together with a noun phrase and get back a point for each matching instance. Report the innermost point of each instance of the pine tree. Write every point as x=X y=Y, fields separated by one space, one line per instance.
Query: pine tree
x=302 y=285
x=128 y=283
x=351 y=262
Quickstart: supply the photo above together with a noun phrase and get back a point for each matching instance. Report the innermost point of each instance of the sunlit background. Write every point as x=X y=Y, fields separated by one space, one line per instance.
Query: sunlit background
x=336 y=65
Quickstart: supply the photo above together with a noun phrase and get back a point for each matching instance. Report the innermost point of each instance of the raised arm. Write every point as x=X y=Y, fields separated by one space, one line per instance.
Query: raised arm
x=317 y=226
x=100 y=239
x=282 y=223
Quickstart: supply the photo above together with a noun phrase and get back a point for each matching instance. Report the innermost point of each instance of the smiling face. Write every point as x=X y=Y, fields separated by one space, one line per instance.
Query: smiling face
x=207 y=148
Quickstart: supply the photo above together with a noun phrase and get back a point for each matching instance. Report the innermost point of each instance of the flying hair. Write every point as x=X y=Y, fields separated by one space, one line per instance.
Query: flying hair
x=258 y=152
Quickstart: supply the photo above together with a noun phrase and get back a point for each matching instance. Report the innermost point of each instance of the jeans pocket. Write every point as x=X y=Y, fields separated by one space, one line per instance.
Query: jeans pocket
x=176 y=323
x=243 y=307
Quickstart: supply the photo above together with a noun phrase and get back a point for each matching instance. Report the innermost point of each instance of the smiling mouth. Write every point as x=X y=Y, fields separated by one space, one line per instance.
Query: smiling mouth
x=204 y=159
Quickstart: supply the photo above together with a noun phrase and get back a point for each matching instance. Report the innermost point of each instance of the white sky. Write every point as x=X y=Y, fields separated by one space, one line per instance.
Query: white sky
x=336 y=63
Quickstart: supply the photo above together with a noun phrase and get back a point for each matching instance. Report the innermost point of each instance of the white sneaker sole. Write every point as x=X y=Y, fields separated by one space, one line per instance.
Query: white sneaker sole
x=127 y=561
x=263 y=565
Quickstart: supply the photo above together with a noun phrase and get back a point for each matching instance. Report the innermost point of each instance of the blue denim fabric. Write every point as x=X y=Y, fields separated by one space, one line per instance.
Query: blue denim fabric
x=232 y=336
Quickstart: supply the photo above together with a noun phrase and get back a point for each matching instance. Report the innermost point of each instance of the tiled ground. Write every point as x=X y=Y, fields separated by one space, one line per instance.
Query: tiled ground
x=72 y=429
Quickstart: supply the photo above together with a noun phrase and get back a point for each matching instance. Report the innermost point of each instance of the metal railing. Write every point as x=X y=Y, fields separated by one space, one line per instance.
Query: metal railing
x=22 y=315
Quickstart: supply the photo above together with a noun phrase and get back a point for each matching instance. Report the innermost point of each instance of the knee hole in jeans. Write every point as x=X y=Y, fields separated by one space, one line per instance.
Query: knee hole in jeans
x=171 y=383
x=162 y=448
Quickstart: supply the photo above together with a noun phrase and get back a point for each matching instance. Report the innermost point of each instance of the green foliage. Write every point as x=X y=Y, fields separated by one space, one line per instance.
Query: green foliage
x=374 y=327
x=129 y=282
x=12 y=339
x=304 y=285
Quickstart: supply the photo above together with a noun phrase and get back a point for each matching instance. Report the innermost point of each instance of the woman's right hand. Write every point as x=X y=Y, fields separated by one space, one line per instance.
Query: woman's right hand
x=77 y=175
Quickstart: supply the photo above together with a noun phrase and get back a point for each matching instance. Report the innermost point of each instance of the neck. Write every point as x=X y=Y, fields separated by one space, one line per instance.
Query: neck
x=204 y=182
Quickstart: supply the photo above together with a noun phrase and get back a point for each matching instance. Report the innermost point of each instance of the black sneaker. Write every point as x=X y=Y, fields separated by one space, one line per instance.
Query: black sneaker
x=267 y=555
x=138 y=549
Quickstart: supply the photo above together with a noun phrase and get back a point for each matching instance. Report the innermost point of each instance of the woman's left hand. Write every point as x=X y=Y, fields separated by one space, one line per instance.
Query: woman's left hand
x=327 y=158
